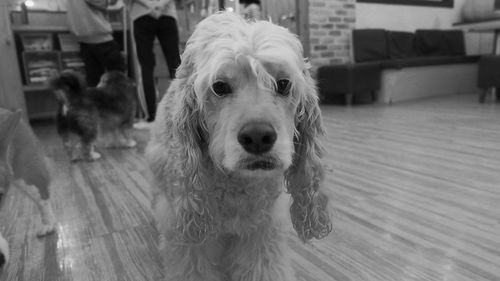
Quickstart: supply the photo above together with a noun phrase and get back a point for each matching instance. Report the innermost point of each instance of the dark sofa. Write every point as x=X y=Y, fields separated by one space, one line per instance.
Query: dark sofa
x=380 y=56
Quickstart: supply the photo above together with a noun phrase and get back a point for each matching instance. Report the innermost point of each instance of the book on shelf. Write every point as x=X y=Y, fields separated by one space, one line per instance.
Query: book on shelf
x=36 y=41
x=72 y=61
x=40 y=66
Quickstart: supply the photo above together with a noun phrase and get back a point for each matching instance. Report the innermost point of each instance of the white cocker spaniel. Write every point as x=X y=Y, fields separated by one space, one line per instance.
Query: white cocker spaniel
x=238 y=129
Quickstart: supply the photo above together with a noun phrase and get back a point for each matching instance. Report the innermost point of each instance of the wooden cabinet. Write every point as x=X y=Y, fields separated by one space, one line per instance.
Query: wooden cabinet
x=40 y=101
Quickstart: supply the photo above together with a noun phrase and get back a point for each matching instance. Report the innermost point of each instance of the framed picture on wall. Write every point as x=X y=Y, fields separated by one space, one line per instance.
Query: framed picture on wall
x=430 y=3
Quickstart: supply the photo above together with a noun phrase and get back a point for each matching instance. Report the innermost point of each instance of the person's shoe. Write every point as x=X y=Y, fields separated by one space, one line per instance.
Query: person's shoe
x=142 y=125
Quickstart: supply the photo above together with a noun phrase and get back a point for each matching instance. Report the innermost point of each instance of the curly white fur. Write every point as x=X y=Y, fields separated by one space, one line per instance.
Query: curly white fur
x=23 y=165
x=220 y=219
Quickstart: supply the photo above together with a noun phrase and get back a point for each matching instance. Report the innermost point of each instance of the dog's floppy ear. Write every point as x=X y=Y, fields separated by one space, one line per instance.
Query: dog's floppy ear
x=194 y=221
x=179 y=130
x=187 y=119
x=309 y=209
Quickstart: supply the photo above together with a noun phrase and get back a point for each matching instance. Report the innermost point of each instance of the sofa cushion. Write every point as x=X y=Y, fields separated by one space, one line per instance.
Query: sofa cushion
x=489 y=67
x=428 y=43
x=455 y=42
x=401 y=44
x=431 y=42
x=369 y=45
x=348 y=78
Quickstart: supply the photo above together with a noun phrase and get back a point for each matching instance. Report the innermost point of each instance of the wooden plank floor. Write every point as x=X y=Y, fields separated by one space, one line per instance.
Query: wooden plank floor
x=415 y=188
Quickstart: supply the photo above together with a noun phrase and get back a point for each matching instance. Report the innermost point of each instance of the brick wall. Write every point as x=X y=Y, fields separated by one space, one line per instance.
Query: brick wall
x=330 y=22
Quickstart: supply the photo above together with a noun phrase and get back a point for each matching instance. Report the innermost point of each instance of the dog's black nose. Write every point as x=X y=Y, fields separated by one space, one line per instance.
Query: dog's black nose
x=257 y=138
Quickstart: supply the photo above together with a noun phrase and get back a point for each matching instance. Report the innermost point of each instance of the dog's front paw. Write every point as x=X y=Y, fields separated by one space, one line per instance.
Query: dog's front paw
x=95 y=155
x=46 y=229
x=92 y=156
x=48 y=219
x=130 y=143
x=4 y=252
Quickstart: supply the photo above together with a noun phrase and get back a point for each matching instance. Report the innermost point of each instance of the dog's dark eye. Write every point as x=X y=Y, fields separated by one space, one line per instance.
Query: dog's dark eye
x=221 y=89
x=283 y=87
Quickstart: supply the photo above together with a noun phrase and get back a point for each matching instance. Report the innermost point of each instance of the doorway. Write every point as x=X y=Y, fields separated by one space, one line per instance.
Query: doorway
x=292 y=14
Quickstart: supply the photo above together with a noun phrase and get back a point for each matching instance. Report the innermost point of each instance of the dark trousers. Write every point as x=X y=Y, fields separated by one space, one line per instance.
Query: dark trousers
x=146 y=29
x=101 y=57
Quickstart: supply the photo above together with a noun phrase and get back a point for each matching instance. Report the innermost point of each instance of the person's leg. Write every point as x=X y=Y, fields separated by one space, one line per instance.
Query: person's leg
x=110 y=55
x=144 y=34
x=168 y=35
x=93 y=67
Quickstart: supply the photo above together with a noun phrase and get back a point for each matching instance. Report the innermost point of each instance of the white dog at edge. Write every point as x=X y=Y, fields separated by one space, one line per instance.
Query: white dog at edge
x=238 y=129
x=23 y=164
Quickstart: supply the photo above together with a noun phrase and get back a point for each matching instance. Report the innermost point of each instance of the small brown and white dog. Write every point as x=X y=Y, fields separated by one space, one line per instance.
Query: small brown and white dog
x=23 y=164
x=106 y=112
x=238 y=129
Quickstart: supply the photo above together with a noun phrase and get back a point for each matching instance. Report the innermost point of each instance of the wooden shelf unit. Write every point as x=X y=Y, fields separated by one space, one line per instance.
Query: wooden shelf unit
x=40 y=101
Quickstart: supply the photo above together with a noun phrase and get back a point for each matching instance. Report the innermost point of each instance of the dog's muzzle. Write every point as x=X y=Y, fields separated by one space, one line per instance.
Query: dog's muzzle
x=257 y=138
